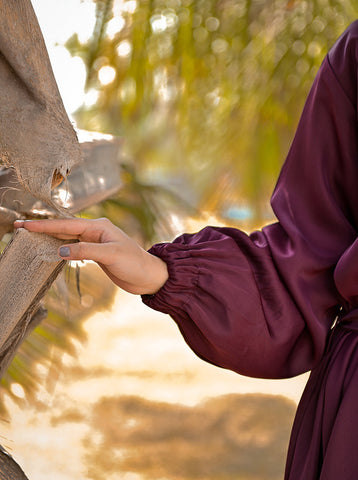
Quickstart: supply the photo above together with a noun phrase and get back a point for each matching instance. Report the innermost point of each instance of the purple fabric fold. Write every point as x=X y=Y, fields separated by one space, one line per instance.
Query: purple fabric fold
x=346 y=275
x=227 y=303
x=263 y=304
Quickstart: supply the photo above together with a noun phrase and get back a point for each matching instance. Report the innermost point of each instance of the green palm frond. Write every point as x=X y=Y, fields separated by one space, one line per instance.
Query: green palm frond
x=209 y=90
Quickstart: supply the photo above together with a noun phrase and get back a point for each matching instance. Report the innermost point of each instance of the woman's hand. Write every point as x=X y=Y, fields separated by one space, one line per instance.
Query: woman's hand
x=123 y=260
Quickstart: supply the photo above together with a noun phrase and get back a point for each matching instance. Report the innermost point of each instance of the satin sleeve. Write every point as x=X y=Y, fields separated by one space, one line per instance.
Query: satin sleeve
x=262 y=304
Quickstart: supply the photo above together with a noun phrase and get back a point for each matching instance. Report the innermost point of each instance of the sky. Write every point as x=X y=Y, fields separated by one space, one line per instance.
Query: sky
x=58 y=20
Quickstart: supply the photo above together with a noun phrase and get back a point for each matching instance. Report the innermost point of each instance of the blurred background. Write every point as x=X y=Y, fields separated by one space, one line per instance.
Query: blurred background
x=205 y=97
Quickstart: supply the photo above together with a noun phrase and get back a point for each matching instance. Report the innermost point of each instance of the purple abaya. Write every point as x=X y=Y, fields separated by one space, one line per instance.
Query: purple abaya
x=263 y=305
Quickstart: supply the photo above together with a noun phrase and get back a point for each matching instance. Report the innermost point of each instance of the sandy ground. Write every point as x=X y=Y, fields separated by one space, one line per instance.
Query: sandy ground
x=131 y=350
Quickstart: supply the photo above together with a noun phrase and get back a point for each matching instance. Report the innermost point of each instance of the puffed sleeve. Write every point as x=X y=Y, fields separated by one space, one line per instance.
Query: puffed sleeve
x=262 y=304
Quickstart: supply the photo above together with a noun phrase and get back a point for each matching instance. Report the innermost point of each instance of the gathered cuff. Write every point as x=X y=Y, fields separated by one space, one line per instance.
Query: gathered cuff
x=230 y=304
x=183 y=277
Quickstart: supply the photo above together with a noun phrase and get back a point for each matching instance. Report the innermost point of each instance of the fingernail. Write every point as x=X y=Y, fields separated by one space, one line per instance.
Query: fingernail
x=64 y=251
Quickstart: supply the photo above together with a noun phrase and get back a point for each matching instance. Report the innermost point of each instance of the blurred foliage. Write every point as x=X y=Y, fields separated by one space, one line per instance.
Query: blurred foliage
x=141 y=207
x=207 y=94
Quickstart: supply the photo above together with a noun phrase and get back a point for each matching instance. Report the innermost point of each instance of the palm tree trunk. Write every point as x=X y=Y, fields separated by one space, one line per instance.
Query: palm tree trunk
x=9 y=469
x=28 y=267
x=37 y=137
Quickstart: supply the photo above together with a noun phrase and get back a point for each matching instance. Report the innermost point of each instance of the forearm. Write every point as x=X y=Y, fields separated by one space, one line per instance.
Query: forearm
x=151 y=277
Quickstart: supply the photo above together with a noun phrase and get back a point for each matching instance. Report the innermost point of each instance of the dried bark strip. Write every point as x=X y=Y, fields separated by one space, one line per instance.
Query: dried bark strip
x=28 y=267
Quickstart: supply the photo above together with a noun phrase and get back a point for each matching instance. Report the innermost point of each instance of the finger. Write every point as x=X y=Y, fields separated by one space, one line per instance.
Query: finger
x=30 y=227
x=102 y=253
x=73 y=226
x=76 y=228
x=19 y=223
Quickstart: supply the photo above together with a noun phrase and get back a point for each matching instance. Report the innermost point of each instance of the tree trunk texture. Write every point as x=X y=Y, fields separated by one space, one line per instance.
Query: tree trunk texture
x=94 y=180
x=28 y=266
x=9 y=469
x=29 y=263
x=38 y=141
x=37 y=137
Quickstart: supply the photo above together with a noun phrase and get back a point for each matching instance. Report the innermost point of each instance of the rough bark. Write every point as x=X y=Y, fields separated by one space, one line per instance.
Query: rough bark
x=24 y=256
x=7 y=218
x=9 y=469
x=36 y=136
x=28 y=266
x=38 y=141
x=91 y=182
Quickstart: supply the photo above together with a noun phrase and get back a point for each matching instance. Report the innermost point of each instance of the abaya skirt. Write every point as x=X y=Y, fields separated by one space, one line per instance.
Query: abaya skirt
x=324 y=439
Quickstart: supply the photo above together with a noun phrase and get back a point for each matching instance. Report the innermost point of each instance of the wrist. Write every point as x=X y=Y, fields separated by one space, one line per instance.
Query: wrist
x=157 y=273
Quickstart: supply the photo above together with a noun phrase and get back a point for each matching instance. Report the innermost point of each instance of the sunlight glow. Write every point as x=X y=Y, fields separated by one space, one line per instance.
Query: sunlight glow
x=57 y=27
x=87 y=136
x=72 y=86
x=166 y=91
x=63 y=197
x=219 y=46
x=106 y=75
x=124 y=49
x=176 y=223
x=158 y=23
x=17 y=390
x=164 y=21
x=40 y=212
x=130 y=6
x=91 y=97
x=115 y=25
x=171 y=18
